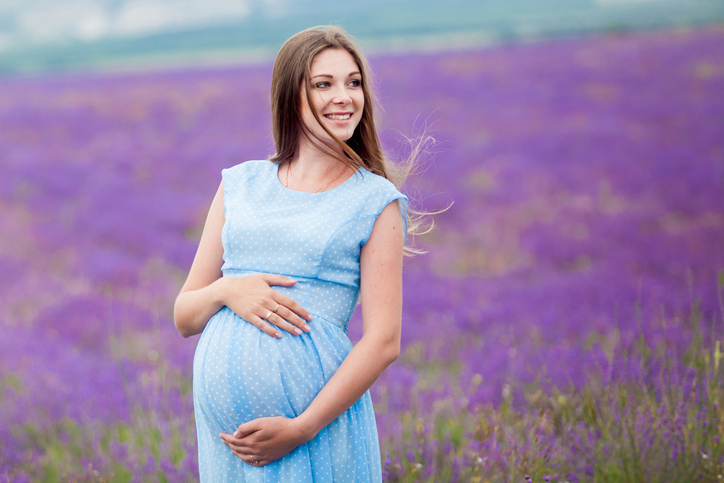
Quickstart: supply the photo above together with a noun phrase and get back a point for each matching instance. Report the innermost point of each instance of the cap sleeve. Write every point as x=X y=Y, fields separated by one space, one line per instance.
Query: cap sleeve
x=402 y=202
x=386 y=194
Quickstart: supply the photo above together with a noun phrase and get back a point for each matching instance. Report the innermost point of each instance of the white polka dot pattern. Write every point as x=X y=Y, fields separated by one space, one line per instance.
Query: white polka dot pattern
x=241 y=373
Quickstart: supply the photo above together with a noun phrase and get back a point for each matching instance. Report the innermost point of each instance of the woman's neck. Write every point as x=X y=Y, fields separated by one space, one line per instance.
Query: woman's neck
x=313 y=170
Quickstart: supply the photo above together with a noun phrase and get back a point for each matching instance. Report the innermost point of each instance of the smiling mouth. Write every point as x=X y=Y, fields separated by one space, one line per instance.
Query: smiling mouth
x=338 y=117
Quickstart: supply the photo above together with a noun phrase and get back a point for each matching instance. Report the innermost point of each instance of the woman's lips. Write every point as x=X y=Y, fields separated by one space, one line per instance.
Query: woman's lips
x=339 y=117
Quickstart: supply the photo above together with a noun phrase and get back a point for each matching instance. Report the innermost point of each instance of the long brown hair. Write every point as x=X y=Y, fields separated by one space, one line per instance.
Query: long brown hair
x=291 y=73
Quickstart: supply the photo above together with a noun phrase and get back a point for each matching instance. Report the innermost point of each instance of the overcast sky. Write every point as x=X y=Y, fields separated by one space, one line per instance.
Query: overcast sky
x=26 y=21
x=41 y=21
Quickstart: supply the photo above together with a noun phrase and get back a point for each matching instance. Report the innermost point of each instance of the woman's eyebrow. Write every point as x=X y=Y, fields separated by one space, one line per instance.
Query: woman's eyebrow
x=331 y=76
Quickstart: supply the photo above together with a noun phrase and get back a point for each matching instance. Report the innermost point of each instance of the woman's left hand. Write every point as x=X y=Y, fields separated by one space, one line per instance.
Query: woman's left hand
x=263 y=440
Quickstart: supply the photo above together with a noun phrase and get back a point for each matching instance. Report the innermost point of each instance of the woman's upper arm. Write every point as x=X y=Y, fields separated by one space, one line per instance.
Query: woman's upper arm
x=206 y=267
x=381 y=277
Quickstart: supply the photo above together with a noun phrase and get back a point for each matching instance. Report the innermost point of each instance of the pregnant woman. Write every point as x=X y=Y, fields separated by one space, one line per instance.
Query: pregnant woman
x=290 y=245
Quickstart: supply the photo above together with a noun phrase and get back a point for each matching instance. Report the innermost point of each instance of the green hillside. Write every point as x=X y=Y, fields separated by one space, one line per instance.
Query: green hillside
x=380 y=26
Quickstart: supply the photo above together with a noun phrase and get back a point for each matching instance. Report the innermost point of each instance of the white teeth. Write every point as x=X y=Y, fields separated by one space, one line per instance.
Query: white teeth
x=338 y=117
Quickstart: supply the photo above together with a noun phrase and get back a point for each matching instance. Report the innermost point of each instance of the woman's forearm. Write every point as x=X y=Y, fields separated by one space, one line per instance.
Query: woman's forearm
x=194 y=308
x=363 y=365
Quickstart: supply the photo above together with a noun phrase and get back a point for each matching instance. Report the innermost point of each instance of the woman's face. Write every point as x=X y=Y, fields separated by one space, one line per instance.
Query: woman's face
x=336 y=94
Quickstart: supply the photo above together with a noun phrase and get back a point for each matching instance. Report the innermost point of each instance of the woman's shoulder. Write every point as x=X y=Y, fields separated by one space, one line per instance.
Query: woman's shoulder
x=375 y=183
x=252 y=171
x=377 y=192
x=380 y=192
x=248 y=167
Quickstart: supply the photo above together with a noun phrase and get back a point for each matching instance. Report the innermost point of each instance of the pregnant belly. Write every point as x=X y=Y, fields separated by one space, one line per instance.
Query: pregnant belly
x=241 y=373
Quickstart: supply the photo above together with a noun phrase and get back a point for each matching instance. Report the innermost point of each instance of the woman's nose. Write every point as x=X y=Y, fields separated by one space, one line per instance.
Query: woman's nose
x=342 y=98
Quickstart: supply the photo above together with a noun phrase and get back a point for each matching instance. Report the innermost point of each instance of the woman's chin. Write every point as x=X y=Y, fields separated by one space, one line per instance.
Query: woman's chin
x=344 y=135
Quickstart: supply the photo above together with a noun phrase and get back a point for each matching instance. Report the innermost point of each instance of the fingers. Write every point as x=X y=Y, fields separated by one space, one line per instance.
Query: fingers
x=285 y=318
x=247 y=428
x=283 y=324
x=265 y=307
x=271 y=279
x=253 y=460
x=260 y=321
x=235 y=443
x=291 y=306
x=288 y=320
x=293 y=318
x=264 y=327
x=242 y=433
x=242 y=451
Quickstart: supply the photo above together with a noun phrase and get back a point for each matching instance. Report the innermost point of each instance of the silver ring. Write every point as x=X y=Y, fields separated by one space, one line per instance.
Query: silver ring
x=275 y=309
x=268 y=315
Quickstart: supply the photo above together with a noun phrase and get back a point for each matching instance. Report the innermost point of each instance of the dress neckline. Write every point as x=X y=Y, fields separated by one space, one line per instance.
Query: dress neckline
x=278 y=182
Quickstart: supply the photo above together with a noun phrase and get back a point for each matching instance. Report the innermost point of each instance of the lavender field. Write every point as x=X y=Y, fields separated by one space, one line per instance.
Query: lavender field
x=565 y=325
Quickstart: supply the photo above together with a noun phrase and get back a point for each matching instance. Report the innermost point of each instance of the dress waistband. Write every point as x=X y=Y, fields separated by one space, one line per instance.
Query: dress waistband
x=331 y=301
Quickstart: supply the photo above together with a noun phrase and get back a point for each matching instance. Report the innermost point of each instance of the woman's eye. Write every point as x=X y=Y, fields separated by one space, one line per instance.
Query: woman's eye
x=321 y=85
x=355 y=83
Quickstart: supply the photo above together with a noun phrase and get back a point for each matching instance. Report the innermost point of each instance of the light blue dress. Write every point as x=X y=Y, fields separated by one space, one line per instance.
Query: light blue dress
x=241 y=373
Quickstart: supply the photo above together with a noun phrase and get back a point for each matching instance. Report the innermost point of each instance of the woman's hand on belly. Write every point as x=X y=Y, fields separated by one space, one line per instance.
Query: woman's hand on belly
x=253 y=299
x=263 y=440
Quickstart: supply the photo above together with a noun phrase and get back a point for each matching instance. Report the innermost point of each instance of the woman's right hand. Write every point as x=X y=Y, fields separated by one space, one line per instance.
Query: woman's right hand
x=253 y=299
